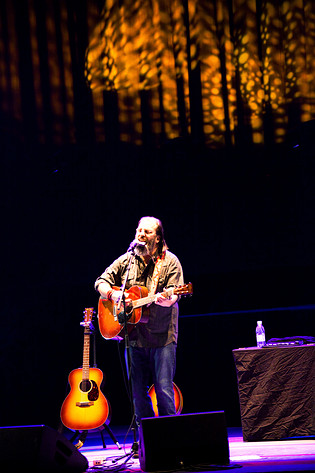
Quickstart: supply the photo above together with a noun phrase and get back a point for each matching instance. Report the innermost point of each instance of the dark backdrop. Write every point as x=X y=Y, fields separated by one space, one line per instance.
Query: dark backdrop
x=244 y=235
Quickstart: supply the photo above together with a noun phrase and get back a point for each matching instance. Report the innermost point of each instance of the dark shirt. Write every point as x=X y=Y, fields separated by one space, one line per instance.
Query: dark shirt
x=162 y=326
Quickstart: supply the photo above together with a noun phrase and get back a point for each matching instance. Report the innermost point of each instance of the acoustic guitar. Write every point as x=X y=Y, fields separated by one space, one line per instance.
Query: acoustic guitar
x=178 y=399
x=111 y=316
x=85 y=407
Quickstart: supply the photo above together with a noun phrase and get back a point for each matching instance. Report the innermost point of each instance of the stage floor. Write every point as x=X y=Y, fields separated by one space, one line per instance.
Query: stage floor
x=292 y=455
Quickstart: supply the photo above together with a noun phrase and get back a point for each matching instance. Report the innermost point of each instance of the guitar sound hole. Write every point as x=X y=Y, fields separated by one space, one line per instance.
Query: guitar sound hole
x=129 y=308
x=85 y=385
x=121 y=315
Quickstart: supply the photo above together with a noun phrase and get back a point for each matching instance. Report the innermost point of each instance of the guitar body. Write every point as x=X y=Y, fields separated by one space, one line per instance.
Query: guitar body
x=110 y=318
x=85 y=407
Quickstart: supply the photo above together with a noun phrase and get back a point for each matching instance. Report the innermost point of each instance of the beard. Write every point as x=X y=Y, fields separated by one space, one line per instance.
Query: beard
x=147 y=249
x=151 y=247
x=141 y=250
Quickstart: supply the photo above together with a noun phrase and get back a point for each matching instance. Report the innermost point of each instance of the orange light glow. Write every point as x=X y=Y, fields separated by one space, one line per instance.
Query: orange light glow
x=194 y=65
x=147 y=47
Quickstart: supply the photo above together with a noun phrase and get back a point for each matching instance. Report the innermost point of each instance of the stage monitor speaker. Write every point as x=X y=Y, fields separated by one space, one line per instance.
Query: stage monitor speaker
x=180 y=441
x=39 y=448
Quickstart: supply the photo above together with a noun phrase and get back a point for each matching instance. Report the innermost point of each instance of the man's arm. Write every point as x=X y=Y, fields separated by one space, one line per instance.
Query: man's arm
x=104 y=288
x=107 y=292
x=175 y=278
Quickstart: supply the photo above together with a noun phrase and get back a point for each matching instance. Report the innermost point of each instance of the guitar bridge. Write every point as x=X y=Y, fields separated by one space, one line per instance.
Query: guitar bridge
x=84 y=404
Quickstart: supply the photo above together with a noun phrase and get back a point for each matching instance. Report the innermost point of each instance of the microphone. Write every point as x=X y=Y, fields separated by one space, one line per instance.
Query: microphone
x=135 y=244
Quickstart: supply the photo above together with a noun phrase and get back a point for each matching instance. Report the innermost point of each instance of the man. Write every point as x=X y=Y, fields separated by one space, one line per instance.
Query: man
x=152 y=344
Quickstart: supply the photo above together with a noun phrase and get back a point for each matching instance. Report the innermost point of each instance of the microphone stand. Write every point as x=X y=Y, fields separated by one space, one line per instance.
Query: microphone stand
x=134 y=448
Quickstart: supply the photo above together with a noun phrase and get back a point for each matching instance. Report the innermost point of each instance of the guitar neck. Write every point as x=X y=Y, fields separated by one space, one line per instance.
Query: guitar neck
x=86 y=355
x=147 y=300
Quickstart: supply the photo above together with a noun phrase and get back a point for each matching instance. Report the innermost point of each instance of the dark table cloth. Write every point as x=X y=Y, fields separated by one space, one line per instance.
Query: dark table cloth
x=276 y=387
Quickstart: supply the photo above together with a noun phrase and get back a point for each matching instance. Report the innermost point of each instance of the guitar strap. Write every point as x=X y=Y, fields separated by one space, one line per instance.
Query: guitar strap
x=156 y=273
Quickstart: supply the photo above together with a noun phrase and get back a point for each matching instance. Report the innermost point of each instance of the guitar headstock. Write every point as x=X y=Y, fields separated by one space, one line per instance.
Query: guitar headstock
x=88 y=317
x=184 y=290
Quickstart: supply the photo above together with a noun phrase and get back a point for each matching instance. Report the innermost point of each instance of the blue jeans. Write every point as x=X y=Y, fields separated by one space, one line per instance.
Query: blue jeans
x=155 y=365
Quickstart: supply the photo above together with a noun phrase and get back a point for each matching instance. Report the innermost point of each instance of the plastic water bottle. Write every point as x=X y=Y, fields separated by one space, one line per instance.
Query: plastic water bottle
x=260 y=334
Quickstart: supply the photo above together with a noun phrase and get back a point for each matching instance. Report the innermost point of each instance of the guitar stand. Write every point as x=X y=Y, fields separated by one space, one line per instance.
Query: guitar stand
x=84 y=433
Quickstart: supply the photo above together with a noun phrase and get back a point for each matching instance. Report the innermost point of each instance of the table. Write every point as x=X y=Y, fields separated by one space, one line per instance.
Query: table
x=276 y=387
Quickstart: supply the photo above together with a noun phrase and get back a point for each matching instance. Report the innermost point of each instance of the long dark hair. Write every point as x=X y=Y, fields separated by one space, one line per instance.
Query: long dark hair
x=162 y=246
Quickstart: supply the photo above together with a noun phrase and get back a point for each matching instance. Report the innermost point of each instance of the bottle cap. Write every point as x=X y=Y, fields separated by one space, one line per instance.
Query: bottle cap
x=259 y=322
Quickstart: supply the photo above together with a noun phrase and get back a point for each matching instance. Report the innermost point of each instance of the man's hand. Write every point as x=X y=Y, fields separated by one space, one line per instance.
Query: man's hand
x=107 y=292
x=165 y=301
x=117 y=295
